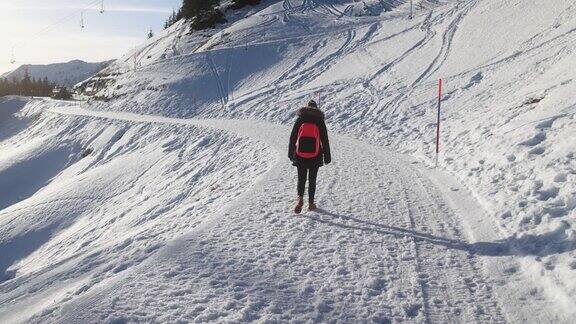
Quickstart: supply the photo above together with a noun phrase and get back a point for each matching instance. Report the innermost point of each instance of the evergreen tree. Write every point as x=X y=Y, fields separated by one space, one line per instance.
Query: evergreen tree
x=26 y=84
x=171 y=20
x=203 y=13
x=150 y=34
x=237 y=4
x=197 y=8
x=174 y=17
x=46 y=86
x=26 y=87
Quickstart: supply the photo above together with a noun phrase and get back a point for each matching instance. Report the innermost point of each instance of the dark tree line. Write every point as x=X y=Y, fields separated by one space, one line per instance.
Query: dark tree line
x=204 y=14
x=237 y=4
x=172 y=19
x=26 y=87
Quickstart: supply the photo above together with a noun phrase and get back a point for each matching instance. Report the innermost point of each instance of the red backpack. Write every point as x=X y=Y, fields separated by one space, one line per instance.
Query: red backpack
x=308 y=143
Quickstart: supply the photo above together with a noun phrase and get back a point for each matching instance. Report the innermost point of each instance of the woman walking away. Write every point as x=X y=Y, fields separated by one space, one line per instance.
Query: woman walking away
x=308 y=150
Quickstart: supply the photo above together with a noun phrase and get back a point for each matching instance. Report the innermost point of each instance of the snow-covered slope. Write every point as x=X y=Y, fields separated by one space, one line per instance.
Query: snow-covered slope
x=66 y=74
x=86 y=200
x=508 y=111
x=138 y=209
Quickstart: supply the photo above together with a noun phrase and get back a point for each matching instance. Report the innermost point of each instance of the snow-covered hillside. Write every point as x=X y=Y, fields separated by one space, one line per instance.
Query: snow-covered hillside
x=66 y=74
x=170 y=200
x=508 y=110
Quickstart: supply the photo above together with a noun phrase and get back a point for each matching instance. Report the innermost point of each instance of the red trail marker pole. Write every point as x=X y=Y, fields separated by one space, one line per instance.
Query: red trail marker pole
x=438 y=121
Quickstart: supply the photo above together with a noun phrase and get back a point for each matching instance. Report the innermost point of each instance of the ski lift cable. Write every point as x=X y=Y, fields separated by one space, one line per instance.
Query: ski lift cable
x=94 y=4
x=91 y=6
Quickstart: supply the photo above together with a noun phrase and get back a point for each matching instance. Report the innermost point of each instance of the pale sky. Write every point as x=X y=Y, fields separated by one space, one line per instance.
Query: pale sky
x=48 y=31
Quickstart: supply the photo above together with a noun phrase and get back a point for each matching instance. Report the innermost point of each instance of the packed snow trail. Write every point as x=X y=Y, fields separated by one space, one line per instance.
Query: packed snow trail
x=384 y=246
x=395 y=241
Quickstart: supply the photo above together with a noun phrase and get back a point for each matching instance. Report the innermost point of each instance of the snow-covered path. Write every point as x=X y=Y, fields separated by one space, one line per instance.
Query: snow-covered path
x=117 y=215
x=387 y=244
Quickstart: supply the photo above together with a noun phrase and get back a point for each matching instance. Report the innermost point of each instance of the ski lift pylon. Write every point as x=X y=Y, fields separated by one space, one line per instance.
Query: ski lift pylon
x=82 y=20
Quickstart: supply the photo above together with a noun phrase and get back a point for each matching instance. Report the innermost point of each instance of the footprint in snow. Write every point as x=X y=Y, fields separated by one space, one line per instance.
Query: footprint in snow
x=537 y=151
x=534 y=140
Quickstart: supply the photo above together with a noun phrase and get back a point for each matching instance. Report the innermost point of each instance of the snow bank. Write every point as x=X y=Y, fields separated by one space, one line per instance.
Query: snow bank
x=84 y=199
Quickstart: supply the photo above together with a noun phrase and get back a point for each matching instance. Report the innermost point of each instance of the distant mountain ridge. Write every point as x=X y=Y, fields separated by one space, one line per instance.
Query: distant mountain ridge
x=68 y=73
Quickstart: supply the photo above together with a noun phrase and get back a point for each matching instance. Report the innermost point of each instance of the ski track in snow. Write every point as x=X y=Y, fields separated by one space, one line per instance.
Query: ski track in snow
x=384 y=246
x=219 y=82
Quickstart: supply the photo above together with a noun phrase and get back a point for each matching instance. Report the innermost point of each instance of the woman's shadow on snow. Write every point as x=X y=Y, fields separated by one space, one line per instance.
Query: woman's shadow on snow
x=539 y=245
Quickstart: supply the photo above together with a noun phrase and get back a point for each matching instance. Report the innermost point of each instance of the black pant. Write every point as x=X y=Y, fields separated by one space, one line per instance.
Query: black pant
x=312 y=172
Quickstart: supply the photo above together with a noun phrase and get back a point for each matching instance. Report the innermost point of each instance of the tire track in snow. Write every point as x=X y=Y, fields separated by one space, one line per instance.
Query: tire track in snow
x=425 y=294
x=459 y=289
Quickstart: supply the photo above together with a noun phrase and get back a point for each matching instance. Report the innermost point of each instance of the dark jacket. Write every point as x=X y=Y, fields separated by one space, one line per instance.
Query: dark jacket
x=316 y=116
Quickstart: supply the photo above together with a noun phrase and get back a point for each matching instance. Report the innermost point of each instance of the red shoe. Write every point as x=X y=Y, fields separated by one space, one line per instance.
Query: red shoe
x=311 y=206
x=298 y=208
